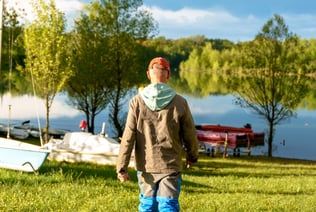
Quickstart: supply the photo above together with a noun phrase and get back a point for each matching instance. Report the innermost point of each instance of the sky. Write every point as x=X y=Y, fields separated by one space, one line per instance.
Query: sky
x=224 y=19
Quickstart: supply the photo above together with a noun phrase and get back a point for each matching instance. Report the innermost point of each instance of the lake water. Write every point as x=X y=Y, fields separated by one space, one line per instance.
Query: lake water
x=293 y=139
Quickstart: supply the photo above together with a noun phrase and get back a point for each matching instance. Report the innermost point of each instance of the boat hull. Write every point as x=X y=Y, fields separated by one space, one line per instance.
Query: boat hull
x=228 y=137
x=21 y=156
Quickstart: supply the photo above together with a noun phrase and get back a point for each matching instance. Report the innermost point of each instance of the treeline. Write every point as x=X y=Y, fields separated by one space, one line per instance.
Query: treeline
x=180 y=50
x=201 y=54
x=191 y=54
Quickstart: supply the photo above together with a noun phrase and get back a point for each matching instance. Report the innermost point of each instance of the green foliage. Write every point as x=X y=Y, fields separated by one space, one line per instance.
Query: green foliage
x=309 y=101
x=12 y=53
x=308 y=59
x=175 y=50
x=203 y=84
x=90 y=87
x=203 y=70
x=45 y=46
x=181 y=50
x=275 y=99
x=208 y=59
x=46 y=57
x=274 y=49
x=125 y=26
x=213 y=184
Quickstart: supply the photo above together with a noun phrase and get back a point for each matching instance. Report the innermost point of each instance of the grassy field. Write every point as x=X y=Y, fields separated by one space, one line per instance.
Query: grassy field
x=213 y=184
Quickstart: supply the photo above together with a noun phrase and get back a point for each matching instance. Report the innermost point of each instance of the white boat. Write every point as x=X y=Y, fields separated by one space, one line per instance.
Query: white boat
x=84 y=147
x=21 y=156
x=36 y=132
x=14 y=132
x=31 y=130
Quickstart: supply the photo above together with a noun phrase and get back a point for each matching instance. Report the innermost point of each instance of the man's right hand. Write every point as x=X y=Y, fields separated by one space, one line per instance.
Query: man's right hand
x=123 y=177
x=188 y=164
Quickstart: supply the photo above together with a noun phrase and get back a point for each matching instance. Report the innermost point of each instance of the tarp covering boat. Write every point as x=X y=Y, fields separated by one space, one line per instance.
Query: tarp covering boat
x=84 y=147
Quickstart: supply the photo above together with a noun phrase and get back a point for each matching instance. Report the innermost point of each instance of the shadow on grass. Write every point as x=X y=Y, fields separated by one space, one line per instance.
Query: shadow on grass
x=78 y=170
x=193 y=188
x=254 y=166
x=83 y=170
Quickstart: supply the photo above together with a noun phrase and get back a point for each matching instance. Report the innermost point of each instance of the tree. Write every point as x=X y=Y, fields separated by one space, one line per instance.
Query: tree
x=46 y=58
x=272 y=55
x=90 y=87
x=126 y=25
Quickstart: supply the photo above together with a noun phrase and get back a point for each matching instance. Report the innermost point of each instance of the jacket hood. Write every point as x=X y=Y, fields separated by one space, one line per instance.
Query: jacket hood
x=157 y=96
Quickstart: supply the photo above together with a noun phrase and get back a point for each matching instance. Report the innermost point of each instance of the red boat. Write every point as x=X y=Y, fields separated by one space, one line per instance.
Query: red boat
x=228 y=137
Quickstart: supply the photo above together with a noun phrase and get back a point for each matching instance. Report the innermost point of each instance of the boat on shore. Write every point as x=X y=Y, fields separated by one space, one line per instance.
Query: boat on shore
x=25 y=130
x=213 y=137
x=84 y=147
x=21 y=156
x=13 y=132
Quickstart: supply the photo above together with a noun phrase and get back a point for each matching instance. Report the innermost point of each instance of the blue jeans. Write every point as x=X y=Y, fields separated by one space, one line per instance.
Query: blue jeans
x=159 y=192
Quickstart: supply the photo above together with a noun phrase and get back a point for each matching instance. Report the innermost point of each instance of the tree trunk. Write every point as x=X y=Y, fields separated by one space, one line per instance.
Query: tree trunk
x=92 y=123
x=116 y=106
x=116 y=110
x=270 y=139
x=47 y=120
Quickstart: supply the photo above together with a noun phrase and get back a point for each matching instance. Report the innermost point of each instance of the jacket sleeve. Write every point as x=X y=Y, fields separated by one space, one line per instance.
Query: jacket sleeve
x=189 y=136
x=127 y=141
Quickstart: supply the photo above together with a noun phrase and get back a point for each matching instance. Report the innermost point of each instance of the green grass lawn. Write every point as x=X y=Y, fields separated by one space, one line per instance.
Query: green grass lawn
x=213 y=184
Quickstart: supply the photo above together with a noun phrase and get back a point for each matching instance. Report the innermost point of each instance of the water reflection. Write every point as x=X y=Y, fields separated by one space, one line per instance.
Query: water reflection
x=293 y=139
x=27 y=107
